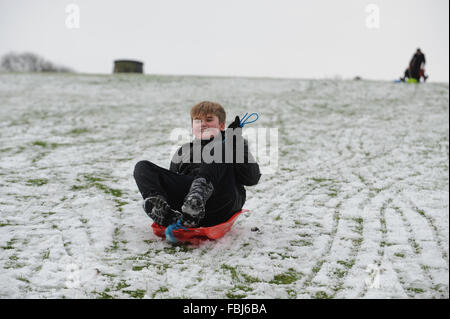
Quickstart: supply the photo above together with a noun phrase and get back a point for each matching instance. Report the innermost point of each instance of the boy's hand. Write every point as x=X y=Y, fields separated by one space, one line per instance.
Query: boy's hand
x=236 y=123
x=233 y=140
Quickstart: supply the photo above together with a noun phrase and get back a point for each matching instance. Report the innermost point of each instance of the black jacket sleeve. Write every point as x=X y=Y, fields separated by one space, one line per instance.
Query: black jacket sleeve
x=175 y=162
x=247 y=173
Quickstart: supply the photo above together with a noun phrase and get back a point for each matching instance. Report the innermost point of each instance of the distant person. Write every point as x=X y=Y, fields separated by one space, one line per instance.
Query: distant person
x=416 y=68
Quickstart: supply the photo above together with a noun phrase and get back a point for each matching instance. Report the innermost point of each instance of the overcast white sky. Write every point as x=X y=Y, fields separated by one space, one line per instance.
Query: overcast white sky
x=274 y=38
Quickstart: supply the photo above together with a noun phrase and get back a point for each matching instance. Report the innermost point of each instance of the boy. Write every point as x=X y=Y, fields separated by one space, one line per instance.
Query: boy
x=199 y=193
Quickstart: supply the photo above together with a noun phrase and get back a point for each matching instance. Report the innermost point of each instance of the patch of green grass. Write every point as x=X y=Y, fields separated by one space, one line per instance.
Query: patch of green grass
x=5 y=224
x=92 y=178
x=241 y=279
x=40 y=143
x=13 y=262
x=113 y=247
x=138 y=268
x=5 y=149
x=23 y=279
x=383 y=225
x=322 y=295
x=357 y=241
x=285 y=278
x=415 y=290
x=37 y=181
x=347 y=264
x=108 y=190
x=249 y=279
x=400 y=255
x=300 y=242
x=319 y=180
x=46 y=214
x=318 y=266
x=138 y=293
x=276 y=255
x=292 y=294
x=340 y=273
x=336 y=216
x=414 y=245
x=238 y=292
x=232 y=295
x=243 y=288
x=78 y=131
x=103 y=295
x=78 y=187
x=360 y=224
x=44 y=144
x=160 y=290
x=115 y=242
x=121 y=285
x=95 y=181
x=119 y=203
x=20 y=149
x=421 y=212
x=9 y=244
x=333 y=193
x=46 y=254
x=425 y=267
x=232 y=270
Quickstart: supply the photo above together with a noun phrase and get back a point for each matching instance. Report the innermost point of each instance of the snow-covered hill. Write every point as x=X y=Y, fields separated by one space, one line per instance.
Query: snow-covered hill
x=358 y=207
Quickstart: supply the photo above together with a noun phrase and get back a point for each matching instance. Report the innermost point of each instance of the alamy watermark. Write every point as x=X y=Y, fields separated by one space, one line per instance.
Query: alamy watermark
x=73 y=16
x=254 y=145
x=373 y=17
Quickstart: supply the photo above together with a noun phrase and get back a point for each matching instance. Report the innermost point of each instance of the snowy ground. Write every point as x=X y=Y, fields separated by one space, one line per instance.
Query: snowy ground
x=357 y=209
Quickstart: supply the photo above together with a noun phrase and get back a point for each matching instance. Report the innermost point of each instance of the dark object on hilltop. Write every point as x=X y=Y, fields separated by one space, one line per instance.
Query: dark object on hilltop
x=357 y=78
x=29 y=62
x=416 y=68
x=128 y=66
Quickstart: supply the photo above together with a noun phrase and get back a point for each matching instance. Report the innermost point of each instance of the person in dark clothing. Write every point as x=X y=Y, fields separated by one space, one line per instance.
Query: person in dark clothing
x=196 y=190
x=416 y=68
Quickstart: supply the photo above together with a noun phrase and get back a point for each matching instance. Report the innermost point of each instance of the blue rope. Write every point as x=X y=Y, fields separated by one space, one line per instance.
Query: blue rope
x=169 y=231
x=245 y=119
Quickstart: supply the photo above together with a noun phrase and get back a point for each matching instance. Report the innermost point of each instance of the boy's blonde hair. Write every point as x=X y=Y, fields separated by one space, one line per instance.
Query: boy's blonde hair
x=204 y=108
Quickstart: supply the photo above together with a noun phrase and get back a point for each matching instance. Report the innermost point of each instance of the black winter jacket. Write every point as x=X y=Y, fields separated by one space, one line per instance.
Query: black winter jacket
x=246 y=173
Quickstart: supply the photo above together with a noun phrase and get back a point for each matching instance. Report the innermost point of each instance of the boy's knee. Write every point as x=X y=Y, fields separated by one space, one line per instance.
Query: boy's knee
x=142 y=166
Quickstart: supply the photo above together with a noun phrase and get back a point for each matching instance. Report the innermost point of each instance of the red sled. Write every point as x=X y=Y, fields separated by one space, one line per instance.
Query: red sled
x=200 y=233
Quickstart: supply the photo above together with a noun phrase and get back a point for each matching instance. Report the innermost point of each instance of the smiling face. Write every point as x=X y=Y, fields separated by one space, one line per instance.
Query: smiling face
x=207 y=126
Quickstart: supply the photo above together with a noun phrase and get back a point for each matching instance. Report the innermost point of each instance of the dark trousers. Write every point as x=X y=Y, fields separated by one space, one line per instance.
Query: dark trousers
x=152 y=179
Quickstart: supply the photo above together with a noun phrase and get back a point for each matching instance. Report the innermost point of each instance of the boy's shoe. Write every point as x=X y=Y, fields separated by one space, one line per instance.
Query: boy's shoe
x=157 y=208
x=195 y=201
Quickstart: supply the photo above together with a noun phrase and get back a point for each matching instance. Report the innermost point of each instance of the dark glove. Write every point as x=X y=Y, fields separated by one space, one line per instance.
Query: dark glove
x=236 y=123
x=235 y=129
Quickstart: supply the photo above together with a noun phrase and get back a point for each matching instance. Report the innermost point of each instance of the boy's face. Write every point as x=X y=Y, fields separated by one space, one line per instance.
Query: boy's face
x=205 y=127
